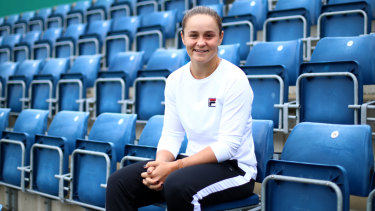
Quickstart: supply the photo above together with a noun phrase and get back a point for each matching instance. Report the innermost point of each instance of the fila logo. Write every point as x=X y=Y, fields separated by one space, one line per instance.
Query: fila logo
x=211 y=102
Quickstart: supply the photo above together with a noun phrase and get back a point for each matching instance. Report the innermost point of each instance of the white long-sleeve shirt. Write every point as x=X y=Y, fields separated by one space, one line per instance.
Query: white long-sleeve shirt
x=214 y=111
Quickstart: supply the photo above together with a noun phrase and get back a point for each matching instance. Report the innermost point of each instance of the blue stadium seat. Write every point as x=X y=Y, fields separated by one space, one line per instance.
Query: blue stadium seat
x=338 y=64
x=16 y=92
x=23 y=49
x=98 y=11
x=4 y=119
x=180 y=6
x=43 y=86
x=230 y=53
x=58 y=15
x=77 y=14
x=243 y=20
x=144 y=7
x=155 y=28
x=122 y=8
x=72 y=86
x=43 y=48
x=206 y=2
x=6 y=69
x=91 y=42
x=120 y=37
x=333 y=155
x=291 y=19
x=95 y=159
x=7 y=27
x=148 y=88
x=16 y=144
x=7 y=44
x=65 y=46
x=345 y=18
x=111 y=89
x=50 y=153
x=38 y=22
x=20 y=27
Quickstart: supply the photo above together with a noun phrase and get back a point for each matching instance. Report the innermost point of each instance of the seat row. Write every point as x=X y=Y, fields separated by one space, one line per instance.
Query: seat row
x=325 y=162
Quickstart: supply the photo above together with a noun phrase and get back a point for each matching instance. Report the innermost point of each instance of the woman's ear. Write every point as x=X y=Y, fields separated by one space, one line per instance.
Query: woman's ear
x=221 y=37
x=182 y=37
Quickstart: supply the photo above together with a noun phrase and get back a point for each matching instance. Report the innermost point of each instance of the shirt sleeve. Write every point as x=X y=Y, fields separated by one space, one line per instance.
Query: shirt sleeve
x=236 y=113
x=173 y=133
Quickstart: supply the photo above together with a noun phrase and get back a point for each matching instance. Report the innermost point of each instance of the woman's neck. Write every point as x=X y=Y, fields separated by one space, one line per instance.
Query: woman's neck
x=203 y=70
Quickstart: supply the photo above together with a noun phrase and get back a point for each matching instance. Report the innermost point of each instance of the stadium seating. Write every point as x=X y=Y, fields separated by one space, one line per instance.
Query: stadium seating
x=271 y=68
x=16 y=91
x=6 y=69
x=345 y=18
x=154 y=29
x=20 y=27
x=206 y=2
x=121 y=8
x=16 y=144
x=72 y=86
x=95 y=159
x=120 y=37
x=50 y=154
x=180 y=6
x=230 y=53
x=4 y=119
x=23 y=49
x=144 y=7
x=111 y=89
x=91 y=41
x=39 y=21
x=77 y=13
x=148 y=88
x=98 y=11
x=43 y=86
x=43 y=48
x=7 y=27
x=58 y=15
x=331 y=160
x=65 y=46
x=7 y=44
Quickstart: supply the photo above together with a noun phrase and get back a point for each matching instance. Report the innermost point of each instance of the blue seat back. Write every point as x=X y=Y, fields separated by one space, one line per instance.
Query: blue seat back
x=48 y=37
x=178 y=5
x=97 y=29
x=8 y=42
x=27 y=41
x=77 y=13
x=29 y=123
x=20 y=27
x=348 y=146
x=109 y=134
x=230 y=53
x=39 y=20
x=147 y=8
x=6 y=69
x=128 y=62
x=65 y=128
x=72 y=34
x=100 y=5
x=151 y=133
x=167 y=59
x=349 y=49
x=51 y=72
x=88 y=66
x=4 y=119
x=207 y=2
x=59 y=12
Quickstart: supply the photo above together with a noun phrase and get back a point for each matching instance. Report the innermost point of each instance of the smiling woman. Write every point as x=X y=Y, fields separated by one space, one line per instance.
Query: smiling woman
x=208 y=100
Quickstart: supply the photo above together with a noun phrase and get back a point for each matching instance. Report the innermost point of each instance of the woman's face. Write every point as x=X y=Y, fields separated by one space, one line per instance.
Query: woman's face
x=201 y=38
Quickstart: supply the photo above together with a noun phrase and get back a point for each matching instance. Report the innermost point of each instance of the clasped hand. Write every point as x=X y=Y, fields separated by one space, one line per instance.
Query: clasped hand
x=157 y=172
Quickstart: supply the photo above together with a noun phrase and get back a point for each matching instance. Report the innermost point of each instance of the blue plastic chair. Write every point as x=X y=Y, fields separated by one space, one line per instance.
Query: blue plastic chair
x=57 y=18
x=38 y=22
x=120 y=37
x=6 y=69
x=154 y=29
x=16 y=92
x=4 y=119
x=144 y=7
x=7 y=44
x=291 y=19
x=343 y=18
x=20 y=27
x=16 y=144
x=121 y=8
x=91 y=42
x=96 y=158
x=111 y=89
x=7 y=27
x=72 y=86
x=230 y=53
x=98 y=11
x=180 y=6
x=65 y=46
x=43 y=86
x=335 y=155
x=77 y=13
x=43 y=48
x=50 y=153
x=206 y=2
x=23 y=49
x=148 y=88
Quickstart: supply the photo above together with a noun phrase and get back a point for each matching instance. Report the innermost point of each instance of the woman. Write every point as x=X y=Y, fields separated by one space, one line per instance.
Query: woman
x=209 y=99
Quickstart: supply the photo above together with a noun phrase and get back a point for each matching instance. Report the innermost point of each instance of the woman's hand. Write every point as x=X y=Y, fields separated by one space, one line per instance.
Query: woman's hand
x=157 y=172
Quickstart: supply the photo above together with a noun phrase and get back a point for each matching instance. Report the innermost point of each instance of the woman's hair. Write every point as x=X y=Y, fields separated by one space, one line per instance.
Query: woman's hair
x=201 y=10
